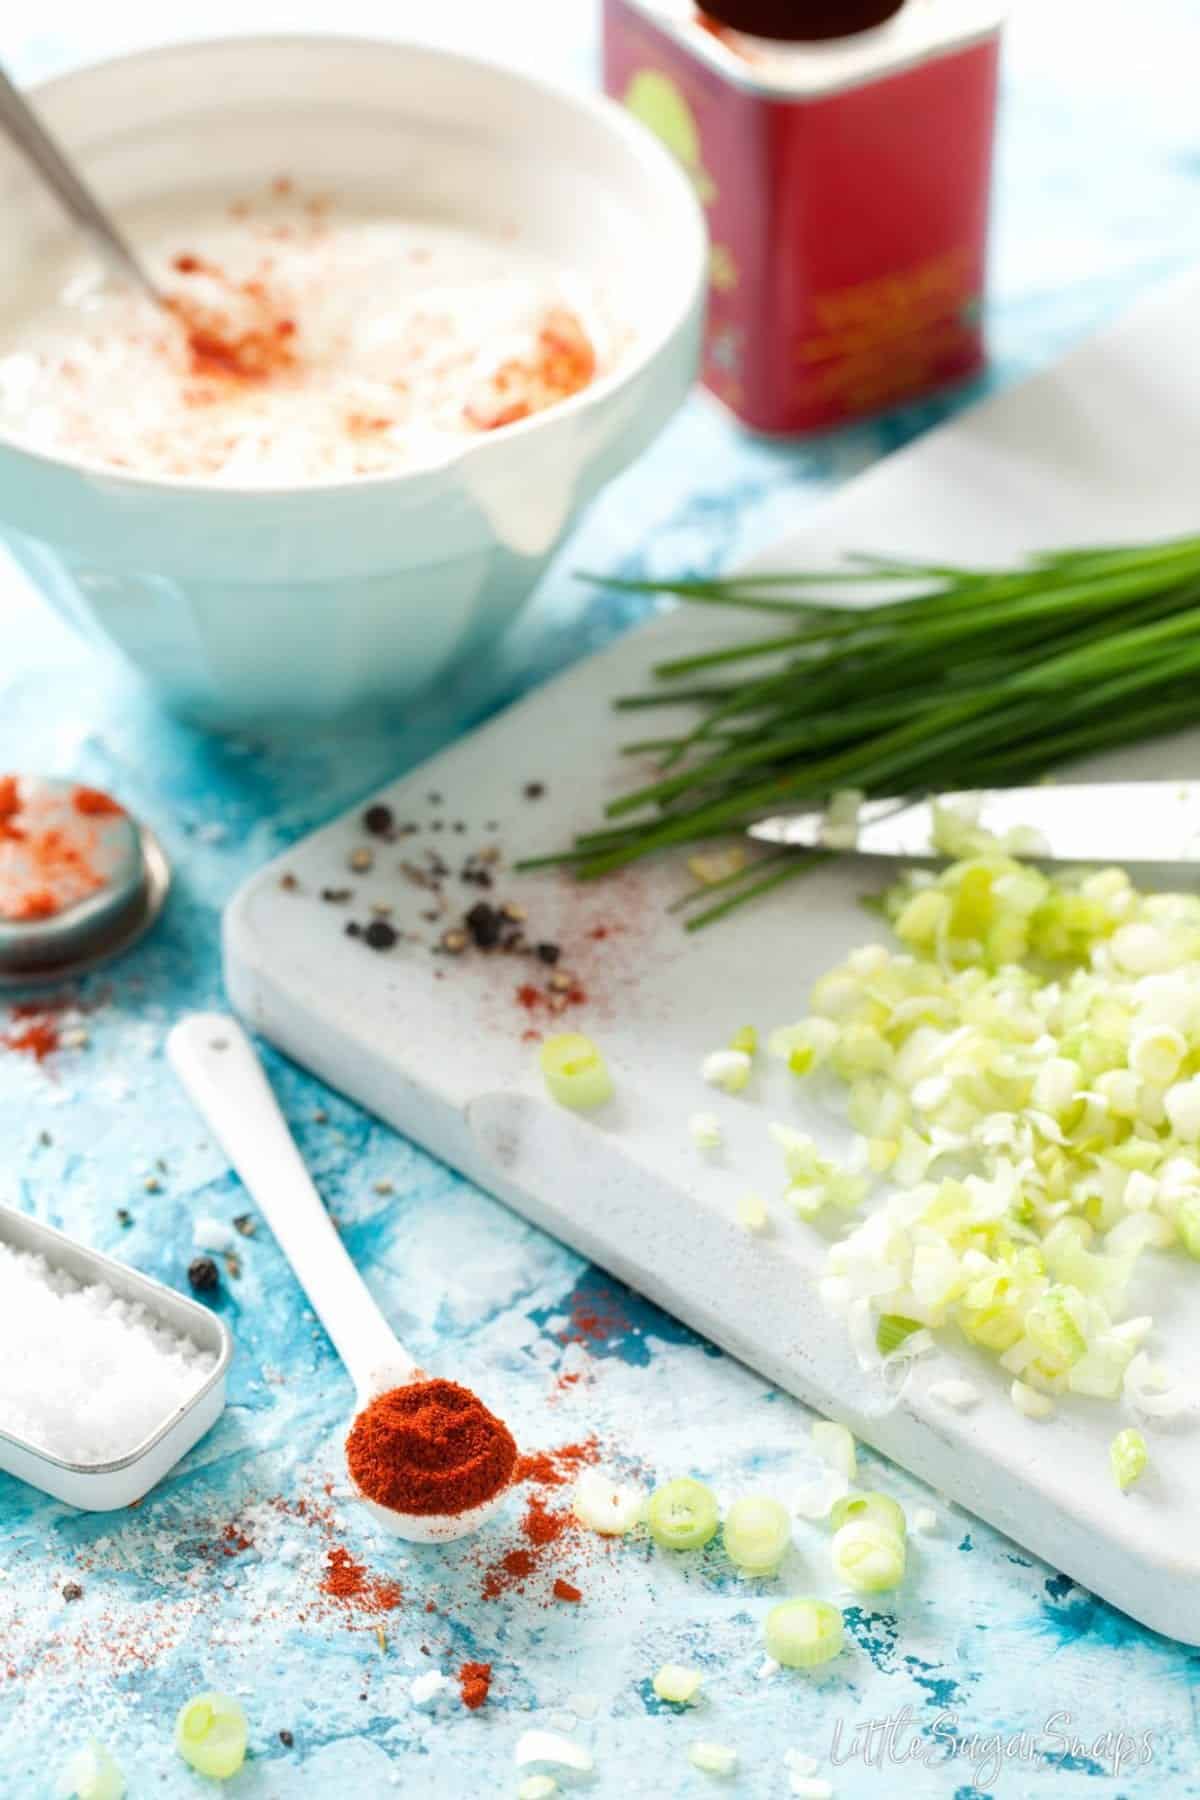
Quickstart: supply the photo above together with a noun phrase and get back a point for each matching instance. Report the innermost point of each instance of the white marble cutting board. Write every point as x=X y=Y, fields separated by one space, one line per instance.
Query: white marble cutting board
x=1104 y=447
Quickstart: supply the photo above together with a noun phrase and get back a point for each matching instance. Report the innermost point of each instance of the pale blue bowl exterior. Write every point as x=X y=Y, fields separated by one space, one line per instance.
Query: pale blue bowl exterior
x=250 y=607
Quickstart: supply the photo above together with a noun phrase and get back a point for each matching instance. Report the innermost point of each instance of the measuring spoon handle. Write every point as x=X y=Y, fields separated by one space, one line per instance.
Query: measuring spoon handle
x=221 y=1071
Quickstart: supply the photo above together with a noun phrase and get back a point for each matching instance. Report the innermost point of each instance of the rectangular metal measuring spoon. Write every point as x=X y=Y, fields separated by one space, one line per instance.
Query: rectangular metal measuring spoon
x=101 y=1487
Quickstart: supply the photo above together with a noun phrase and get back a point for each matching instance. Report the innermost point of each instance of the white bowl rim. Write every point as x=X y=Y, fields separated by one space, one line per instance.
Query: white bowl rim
x=609 y=112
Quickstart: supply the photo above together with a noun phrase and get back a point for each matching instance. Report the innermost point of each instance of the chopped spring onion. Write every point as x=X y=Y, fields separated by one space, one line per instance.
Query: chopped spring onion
x=959 y=1396
x=756 y=1534
x=868 y=1556
x=538 y=1787
x=712 y=1759
x=705 y=1131
x=605 y=1506
x=835 y=1446
x=803 y=1634
x=1026 y=1074
x=91 y=1774
x=891 y=1331
x=682 y=1514
x=815 y=1499
x=752 y=1214
x=727 y=1069
x=210 y=1734
x=575 y=1072
x=1187 y=1224
x=881 y=1507
x=551 y=1747
x=1128 y=1455
x=677 y=1685
x=745 y=1039
x=1029 y=1402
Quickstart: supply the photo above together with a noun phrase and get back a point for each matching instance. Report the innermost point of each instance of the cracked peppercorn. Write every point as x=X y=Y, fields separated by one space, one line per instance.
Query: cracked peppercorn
x=202 y=1273
x=378 y=819
x=379 y=935
x=485 y=925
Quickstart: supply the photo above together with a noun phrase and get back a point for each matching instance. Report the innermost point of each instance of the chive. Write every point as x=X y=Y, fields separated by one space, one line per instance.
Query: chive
x=894 y=675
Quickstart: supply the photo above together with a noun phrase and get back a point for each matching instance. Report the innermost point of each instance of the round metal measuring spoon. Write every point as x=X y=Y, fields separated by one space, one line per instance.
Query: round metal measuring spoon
x=219 y=1067
x=80 y=880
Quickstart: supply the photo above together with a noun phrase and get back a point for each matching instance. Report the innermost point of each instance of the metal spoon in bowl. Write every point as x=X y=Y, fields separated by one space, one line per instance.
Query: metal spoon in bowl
x=218 y=1065
x=20 y=123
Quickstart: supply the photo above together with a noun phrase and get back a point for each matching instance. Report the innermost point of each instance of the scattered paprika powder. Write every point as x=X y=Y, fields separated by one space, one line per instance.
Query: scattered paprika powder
x=430 y=1447
x=474 y=1681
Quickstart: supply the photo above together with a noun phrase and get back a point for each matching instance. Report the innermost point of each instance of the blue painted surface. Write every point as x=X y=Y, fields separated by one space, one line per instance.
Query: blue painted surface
x=1099 y=198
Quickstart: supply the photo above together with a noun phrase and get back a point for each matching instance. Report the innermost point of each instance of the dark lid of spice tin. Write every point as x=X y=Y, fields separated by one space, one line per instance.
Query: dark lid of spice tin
x=80 y=880
x=801 y=21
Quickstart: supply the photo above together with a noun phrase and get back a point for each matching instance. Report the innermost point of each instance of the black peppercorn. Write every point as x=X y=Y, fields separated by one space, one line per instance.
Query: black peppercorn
x=378 y=820
x=202 y=1273
x=286 y=1739
x=72 y=1591
x=548 y=953
x=380 y=935
x=485 y=925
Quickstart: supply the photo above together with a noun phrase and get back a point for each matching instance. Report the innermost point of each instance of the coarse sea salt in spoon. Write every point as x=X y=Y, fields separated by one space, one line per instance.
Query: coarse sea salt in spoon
x=219 y=1067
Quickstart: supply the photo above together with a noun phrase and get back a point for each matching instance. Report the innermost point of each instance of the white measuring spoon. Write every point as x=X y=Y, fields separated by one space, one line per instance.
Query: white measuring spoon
x=219 y=1067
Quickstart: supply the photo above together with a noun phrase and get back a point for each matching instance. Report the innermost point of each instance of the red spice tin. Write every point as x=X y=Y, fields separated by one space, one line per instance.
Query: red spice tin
x=847 y=192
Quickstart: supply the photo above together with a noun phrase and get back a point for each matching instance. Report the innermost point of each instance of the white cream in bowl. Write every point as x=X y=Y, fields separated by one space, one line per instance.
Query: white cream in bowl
x=314 y=339
x=259 y=559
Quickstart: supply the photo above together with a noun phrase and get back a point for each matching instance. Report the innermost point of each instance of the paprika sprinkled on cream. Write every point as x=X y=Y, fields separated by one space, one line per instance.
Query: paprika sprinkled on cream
x=431 y=1447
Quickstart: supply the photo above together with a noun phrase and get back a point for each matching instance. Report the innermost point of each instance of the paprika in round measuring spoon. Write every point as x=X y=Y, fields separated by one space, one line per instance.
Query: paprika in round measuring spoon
x=426 y=1457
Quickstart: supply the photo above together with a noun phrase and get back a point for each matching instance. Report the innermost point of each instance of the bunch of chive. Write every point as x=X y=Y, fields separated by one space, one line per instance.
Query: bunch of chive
x=935 y=676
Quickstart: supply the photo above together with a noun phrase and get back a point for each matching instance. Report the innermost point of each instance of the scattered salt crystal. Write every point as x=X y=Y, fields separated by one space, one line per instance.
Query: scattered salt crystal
x=213 y=1234
x=584 y=1706
x=767 y=1668
x=561 y=1721
x=800 y=1763
x=810 y=1787
x=85 y=1375
x=925 y=1519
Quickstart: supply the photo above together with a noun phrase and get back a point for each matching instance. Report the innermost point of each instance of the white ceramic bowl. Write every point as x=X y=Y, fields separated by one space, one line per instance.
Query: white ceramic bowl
x=253 y=606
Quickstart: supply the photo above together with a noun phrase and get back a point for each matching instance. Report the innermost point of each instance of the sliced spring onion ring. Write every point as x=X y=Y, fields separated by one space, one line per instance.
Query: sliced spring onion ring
x=756 y=1534
x=210 y=1734
x=881 y=1507
x=575 y=1072
x=682 y=1514
x=868 y=1556
x=712 y=1759
x=91 y=1774
x=677 y=1684
x=803 y=1634
x=606 y=1506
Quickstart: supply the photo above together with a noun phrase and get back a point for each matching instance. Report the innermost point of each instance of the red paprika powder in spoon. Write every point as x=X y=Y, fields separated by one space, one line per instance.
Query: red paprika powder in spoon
x=430 y=1447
